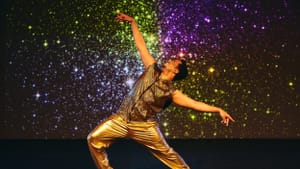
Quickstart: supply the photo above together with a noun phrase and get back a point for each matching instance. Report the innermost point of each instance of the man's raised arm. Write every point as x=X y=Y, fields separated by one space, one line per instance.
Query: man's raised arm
x=146 y=57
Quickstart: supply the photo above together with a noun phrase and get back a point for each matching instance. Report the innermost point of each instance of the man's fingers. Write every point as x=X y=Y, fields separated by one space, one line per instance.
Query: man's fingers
x=225 y=121
x=120 y=18
x=231 y=118
x=123 y=17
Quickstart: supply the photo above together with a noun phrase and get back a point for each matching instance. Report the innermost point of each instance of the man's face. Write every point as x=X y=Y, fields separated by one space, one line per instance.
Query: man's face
x=172 y=65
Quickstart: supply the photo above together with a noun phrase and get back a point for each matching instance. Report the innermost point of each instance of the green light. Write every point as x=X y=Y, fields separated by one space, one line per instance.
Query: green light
x=45 y=44
x=193 y=117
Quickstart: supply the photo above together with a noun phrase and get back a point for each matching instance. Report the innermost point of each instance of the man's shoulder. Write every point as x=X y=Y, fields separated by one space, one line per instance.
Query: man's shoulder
x=154 y=67
x=151 y=72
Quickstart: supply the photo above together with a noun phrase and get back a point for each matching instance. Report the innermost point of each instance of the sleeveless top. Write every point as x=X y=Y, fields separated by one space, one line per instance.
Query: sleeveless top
x=149 y=96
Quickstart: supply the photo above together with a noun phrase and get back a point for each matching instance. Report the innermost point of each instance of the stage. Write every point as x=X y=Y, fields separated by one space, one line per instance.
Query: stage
x=127 y=154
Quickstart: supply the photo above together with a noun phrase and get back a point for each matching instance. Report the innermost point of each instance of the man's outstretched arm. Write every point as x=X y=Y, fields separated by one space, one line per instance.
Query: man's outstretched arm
x=146 y=57
x=182 y=100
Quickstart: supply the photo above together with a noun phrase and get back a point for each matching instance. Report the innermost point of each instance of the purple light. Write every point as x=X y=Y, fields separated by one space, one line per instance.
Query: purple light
x=206 y=19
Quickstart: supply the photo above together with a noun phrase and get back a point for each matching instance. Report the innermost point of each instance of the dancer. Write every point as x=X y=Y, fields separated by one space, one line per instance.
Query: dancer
x=151 y=94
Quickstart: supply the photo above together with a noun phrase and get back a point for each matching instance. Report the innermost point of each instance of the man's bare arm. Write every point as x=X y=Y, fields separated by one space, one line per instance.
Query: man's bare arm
x=183 y=100
x=146 y=57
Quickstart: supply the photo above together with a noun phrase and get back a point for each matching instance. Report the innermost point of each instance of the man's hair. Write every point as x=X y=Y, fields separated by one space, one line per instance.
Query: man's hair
x=183 y=71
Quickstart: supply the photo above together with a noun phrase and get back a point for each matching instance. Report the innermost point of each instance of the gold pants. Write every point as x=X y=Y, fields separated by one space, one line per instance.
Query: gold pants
x=146 y=133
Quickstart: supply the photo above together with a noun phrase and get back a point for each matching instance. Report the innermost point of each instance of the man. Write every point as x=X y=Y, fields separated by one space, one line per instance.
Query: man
x=152 y=92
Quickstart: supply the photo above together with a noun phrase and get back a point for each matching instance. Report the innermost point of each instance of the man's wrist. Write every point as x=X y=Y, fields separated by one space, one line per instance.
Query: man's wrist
x=132 y=21
x=219 y=110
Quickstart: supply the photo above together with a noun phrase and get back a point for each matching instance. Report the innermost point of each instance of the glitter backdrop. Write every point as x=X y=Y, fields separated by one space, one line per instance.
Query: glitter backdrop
x=68 y=65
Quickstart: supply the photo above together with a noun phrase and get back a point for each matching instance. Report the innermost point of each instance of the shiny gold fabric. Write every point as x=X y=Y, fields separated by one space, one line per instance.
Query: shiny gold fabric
x=146 y=133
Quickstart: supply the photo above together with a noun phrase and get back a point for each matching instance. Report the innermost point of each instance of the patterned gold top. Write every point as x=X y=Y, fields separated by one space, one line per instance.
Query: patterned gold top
x=149 y=96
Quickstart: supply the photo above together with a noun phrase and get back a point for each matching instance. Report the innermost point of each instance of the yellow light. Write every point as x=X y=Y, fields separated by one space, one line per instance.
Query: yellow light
x=165 y=124
x=181 y=54
x=211 y=70
x=167 y=133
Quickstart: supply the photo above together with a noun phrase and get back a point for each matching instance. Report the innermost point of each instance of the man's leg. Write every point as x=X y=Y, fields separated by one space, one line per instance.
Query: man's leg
x=102 y=137
x=148 y=134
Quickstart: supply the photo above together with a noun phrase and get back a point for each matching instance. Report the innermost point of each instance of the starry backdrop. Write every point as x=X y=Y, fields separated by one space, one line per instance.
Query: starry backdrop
x=68 y=65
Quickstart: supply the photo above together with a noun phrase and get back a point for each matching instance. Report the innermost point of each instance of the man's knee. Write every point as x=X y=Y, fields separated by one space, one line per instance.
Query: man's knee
x=97 y=142
x=89 y=138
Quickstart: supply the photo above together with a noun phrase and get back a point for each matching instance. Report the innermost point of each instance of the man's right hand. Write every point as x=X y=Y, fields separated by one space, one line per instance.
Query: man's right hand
x=123 y=17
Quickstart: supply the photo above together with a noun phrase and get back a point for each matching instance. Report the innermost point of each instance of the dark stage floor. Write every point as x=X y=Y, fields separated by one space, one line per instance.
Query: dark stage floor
x=126 y=154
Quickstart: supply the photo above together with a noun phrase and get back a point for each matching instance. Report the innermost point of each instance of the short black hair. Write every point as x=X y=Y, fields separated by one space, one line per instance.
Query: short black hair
x=183 y=71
